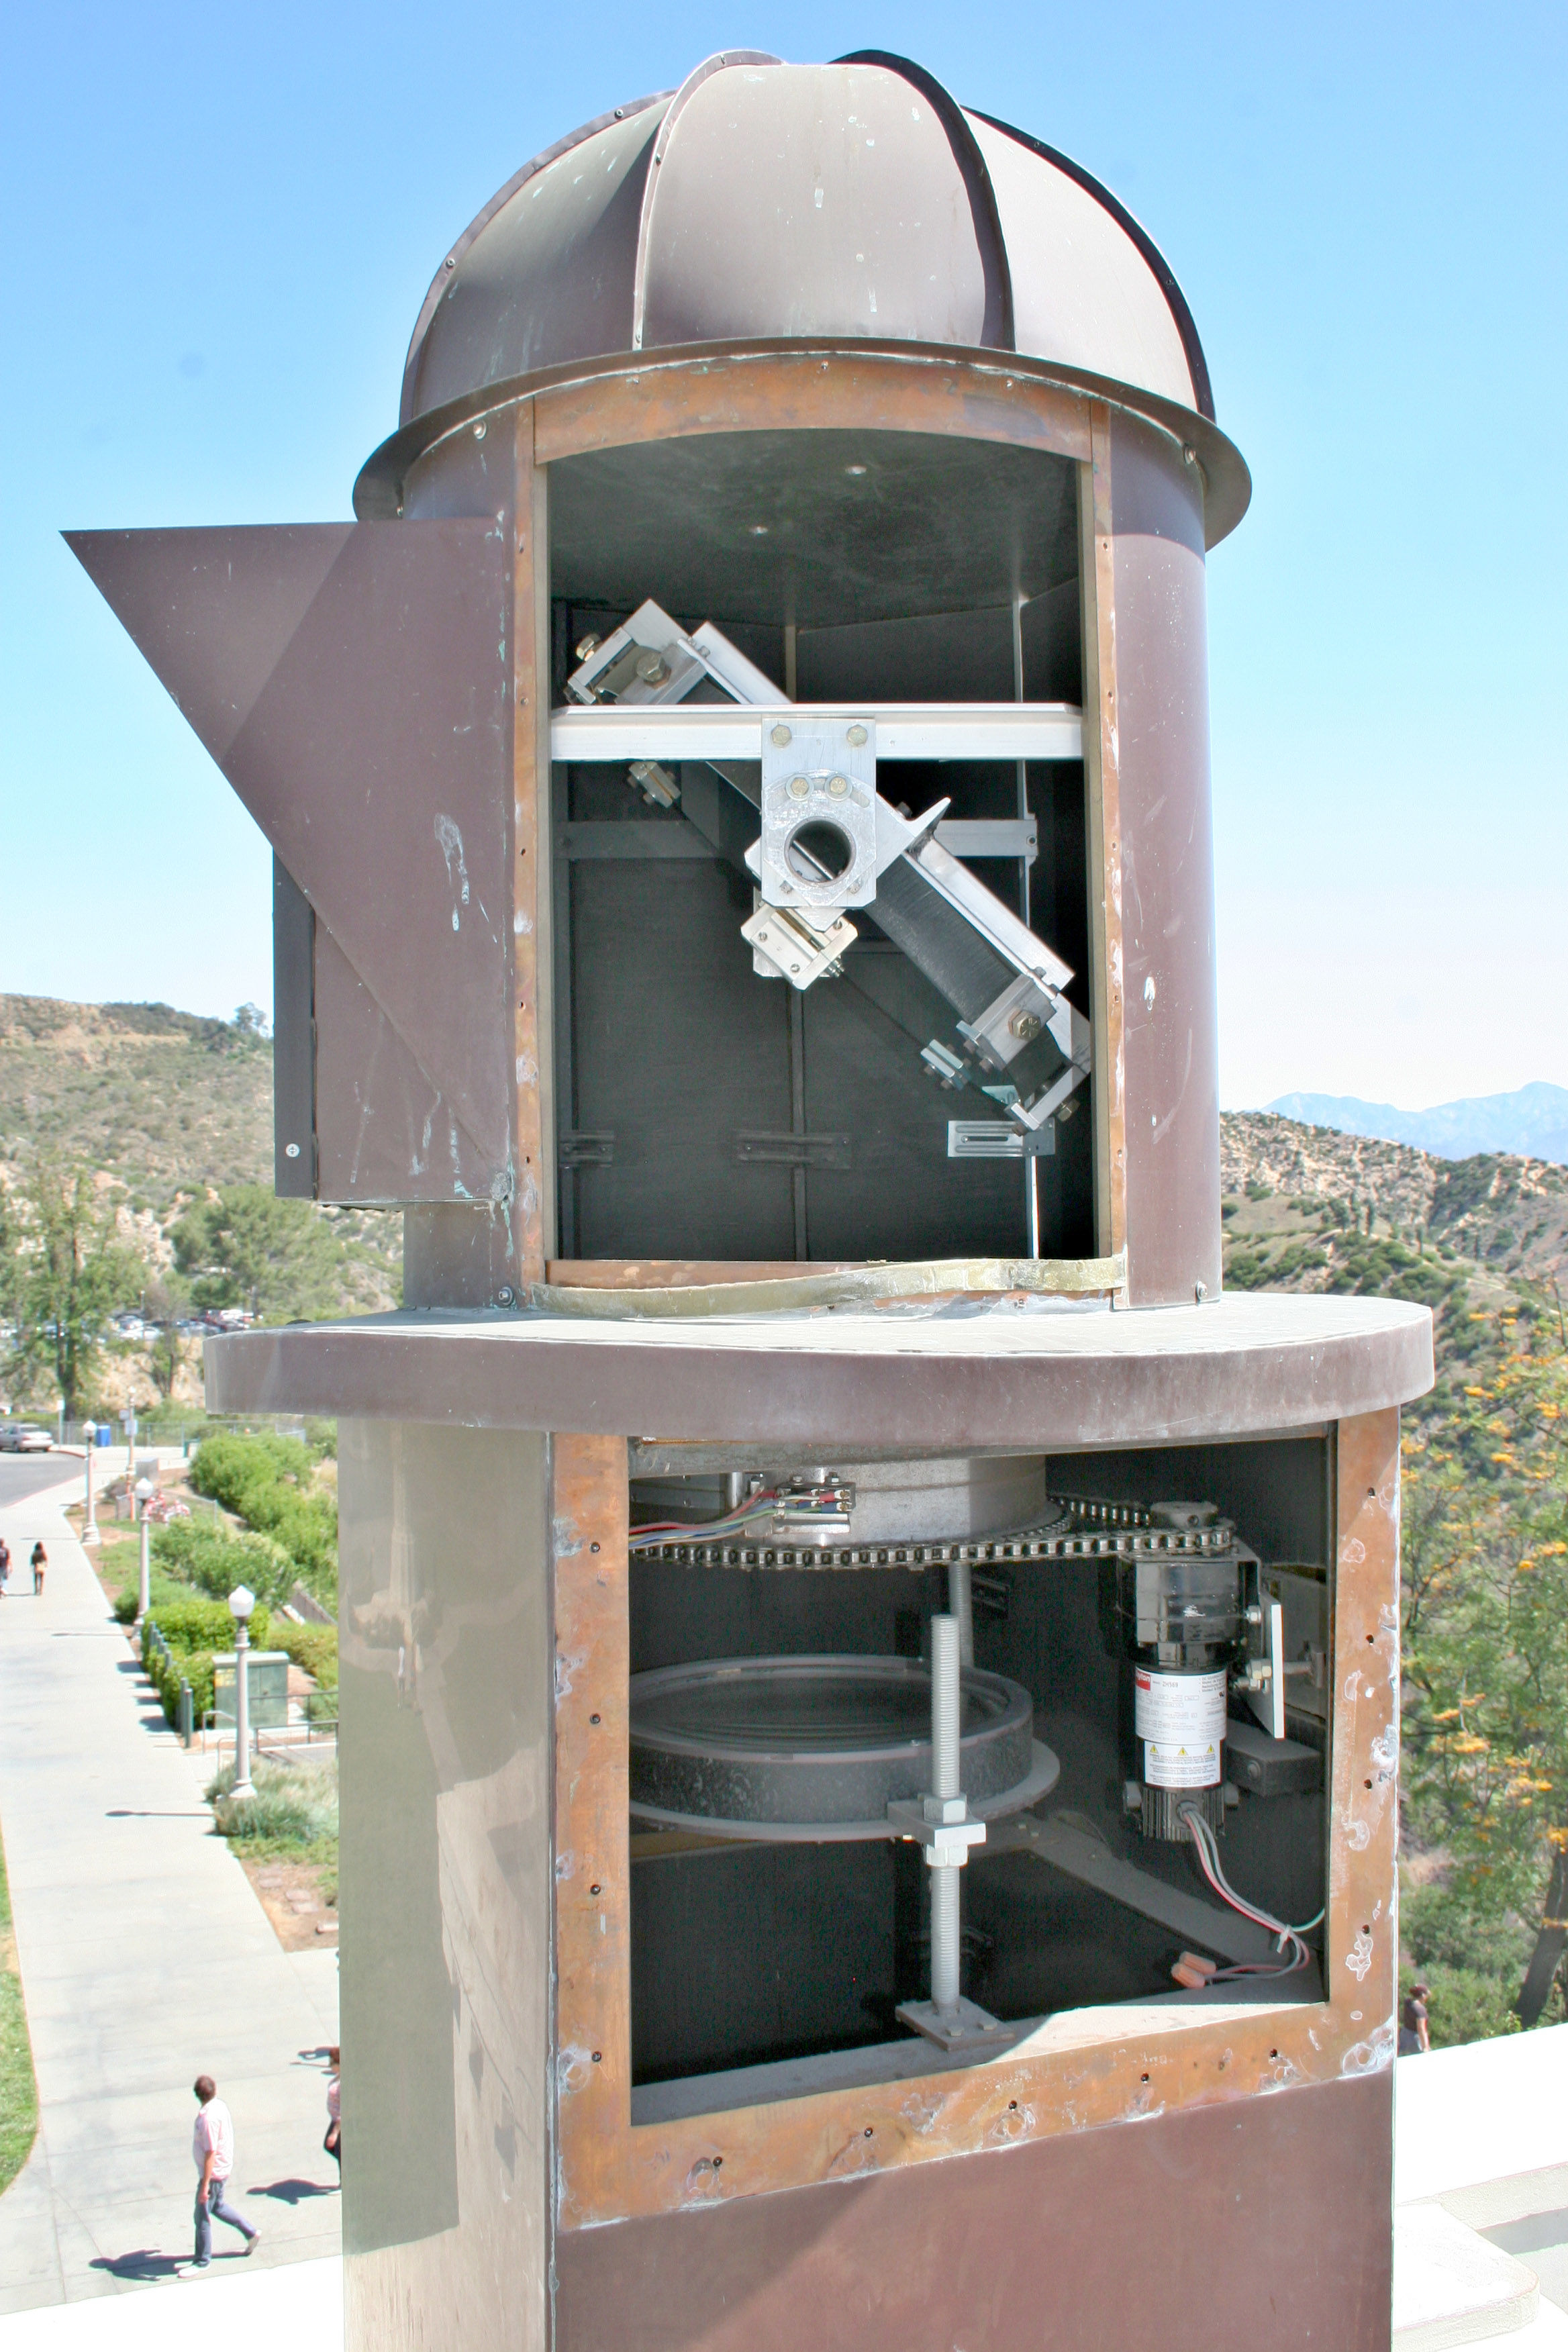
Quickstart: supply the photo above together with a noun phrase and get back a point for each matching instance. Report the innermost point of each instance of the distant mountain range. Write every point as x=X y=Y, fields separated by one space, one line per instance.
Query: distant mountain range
x=1531 y=1122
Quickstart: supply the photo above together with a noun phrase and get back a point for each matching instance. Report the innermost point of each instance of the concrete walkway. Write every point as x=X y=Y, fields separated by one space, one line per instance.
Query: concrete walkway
x=145 y=1960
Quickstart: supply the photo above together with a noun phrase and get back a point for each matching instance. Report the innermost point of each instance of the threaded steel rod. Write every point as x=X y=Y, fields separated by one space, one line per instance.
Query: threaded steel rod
x=944 y=1706
x=960 y=1606
x=944 y=1939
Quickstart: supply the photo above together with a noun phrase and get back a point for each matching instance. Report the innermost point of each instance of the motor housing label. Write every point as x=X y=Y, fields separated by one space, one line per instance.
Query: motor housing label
x=1180 y=1718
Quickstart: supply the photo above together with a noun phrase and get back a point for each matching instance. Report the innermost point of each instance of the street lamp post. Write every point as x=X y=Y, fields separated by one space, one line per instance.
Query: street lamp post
x=241 y=1602
x=89 y=1526
x=145 y=1490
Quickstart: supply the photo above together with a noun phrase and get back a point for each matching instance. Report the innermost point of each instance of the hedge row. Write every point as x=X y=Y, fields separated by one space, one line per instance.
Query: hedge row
x=194 y=1631
x=262 y=1480
x=214 y=1558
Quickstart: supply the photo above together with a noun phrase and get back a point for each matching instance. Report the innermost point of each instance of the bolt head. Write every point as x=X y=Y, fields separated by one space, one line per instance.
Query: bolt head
x=799 y=787
x=781 y=736
x=506 y=1296
x=838 y=787
x=1024 y=1025
x=855 y=734
x=652 y=667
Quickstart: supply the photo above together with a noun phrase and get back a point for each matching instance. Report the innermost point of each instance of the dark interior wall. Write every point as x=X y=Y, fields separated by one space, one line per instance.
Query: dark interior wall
x=770 y=1952
x=896 y=556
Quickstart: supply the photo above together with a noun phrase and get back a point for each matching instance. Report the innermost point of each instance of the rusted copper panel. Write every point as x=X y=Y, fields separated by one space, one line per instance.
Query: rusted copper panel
x=1242 y=1364
x=1362 y=1956
x=1102 y=797
x=768 y=391
x=384 y=1132
x=1124 y=2063
x=1264 y=2225
x=1159 y=718
x=592 y=1868
x=385 y=486
x=352 y=684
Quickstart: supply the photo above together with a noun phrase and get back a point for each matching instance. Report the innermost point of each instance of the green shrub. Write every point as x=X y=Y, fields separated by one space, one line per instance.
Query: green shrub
x=215 y=1559
x=292 y=1804
x=1442 y=1929
x=162 y=1589
x=194 y=1630
x=197 y=1624
x=312 y=1648
x=262 y=1480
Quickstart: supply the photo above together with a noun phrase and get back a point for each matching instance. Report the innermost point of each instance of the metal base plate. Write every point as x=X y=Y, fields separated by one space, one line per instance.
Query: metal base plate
x=964 y=2028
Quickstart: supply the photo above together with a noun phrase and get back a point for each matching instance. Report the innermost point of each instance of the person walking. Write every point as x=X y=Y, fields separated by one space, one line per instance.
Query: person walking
x=5 y=1565
x=333 y=2143
x=212 y=2144
x=1414 y=2032
x=40 y=1560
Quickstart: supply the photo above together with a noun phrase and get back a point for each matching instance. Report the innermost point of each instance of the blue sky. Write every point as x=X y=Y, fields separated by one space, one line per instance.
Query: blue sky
x=221 y=224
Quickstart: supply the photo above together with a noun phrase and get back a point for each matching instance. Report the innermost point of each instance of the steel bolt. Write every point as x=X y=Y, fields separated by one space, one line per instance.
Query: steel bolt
x=506 y=1296
x=838 y=787
x=1024 y=1025
x=856 y=735
x=652 y=667
x=781 y=736
x=799 y=786
x=479 y=431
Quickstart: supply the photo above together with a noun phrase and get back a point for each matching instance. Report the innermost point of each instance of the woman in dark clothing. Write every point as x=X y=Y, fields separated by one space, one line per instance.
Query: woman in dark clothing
x=40 y=1561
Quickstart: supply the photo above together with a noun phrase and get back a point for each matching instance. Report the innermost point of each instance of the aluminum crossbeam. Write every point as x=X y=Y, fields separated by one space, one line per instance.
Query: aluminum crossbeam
x=906 y=730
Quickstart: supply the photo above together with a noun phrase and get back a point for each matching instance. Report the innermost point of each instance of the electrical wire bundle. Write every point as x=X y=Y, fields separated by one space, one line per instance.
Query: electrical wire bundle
x=768 y=1502
x=1205 y=1846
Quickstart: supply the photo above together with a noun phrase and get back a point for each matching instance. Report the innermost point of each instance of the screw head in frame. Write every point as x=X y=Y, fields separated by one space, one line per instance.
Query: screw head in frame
x=652 y=667
x=781 y=736
x=856 y=735
x=506 y=1296
x=1024 y=1025
x=290 y=1152
x=480 y=429
x=838 y=787
x=799 y=787
x=588 y=645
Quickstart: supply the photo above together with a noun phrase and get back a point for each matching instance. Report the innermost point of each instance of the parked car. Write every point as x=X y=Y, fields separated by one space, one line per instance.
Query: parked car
x=23 y=1437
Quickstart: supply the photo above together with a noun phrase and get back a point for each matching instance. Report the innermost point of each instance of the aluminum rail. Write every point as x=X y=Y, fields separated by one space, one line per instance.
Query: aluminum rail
x=905 y=731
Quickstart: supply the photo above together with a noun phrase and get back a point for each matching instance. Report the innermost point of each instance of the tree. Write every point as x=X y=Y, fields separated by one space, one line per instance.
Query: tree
x=1486 y=1627
x=244 y=1247
x=65 y=1270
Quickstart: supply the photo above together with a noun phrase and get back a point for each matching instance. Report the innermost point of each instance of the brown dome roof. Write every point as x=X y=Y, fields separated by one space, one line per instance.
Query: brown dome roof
x=769 y=201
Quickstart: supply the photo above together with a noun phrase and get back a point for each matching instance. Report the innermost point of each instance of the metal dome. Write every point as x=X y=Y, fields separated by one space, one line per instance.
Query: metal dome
x=764 y=201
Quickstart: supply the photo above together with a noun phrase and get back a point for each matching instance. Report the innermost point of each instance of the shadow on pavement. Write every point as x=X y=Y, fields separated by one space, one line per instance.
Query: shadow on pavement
x=142 y=2264
x=293 y=2193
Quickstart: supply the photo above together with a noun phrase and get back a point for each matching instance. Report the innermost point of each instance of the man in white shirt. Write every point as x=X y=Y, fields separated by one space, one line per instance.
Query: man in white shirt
x=212 y=2144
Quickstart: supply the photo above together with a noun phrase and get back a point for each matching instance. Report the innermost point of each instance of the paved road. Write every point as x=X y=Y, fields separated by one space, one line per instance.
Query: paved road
x=23 y=1475
x=145 y=1959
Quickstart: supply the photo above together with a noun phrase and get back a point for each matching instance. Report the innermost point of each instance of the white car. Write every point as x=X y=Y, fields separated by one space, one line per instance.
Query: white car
x=21 y=1437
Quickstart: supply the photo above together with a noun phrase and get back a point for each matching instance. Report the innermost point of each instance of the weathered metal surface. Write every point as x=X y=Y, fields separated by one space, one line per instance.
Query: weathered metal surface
x=793 y=201
x=1043 y=1382
x=1154 y=708
x=1271 y=2228
x=1083 y=2068
x=381 y=491
x=1102 y=797
x=445 y=1763
x=533 y=1141
x=350 y=681
x=293 y=1039
x=671 y=1272
x=774 y=390
x=385 y=1131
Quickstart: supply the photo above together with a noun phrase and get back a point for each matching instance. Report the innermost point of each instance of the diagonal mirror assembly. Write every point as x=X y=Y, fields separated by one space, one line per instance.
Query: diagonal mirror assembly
x=868 y=1702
